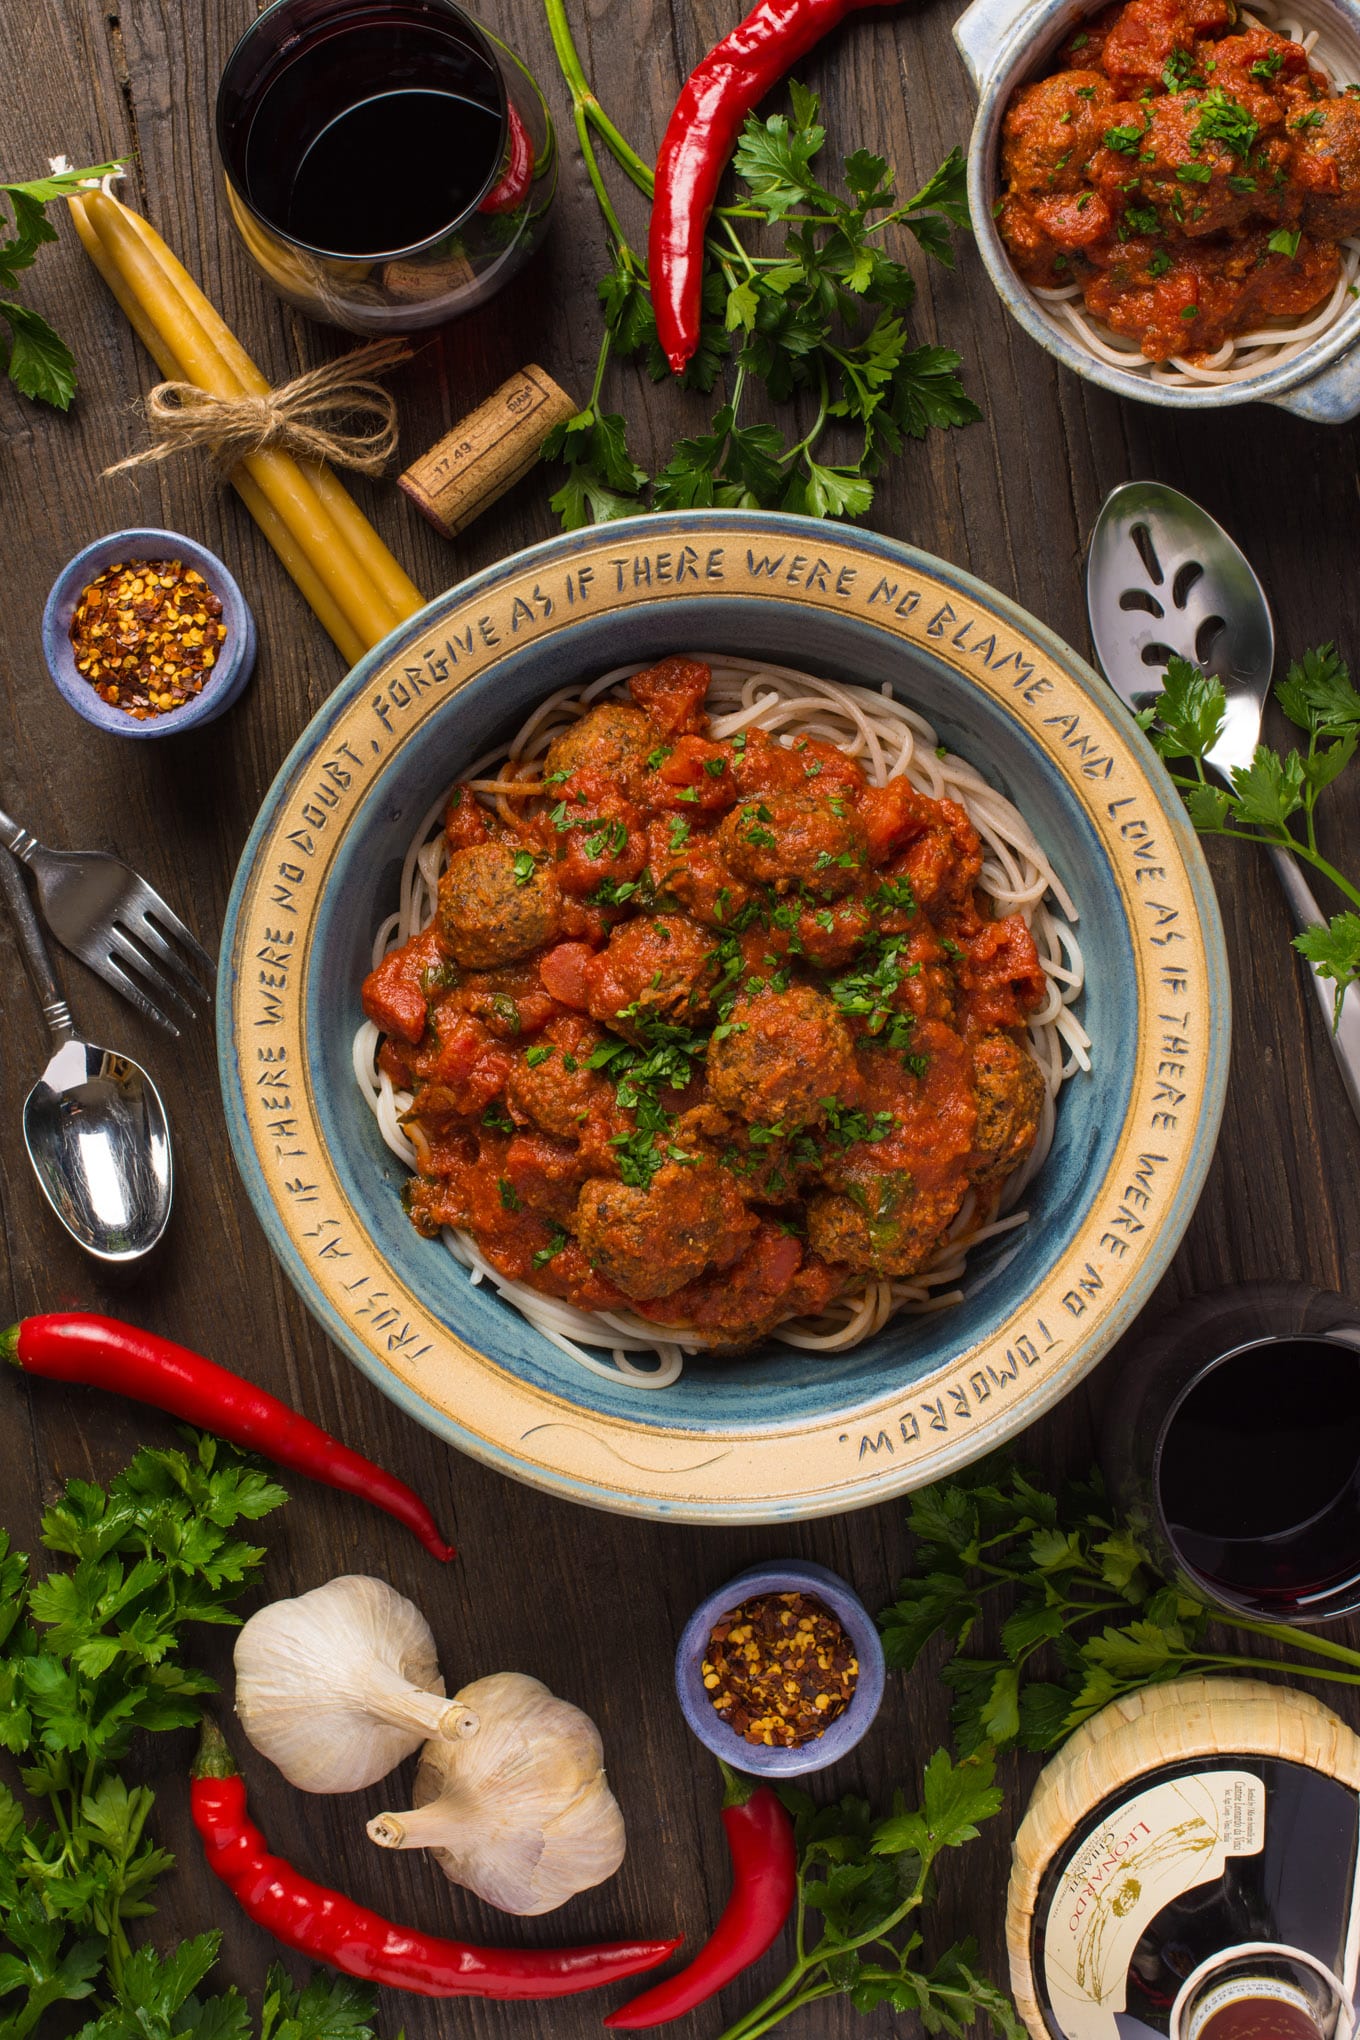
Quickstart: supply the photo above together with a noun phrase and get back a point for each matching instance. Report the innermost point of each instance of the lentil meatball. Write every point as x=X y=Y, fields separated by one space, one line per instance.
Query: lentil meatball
x=1327 y=167
x=664 y=964
x=558 y=1091
x=881 y=1225
x=493 y=909
x=1010 y=1093
x=613 y=738
x=796 y=838
x=1052 y=129
x=786 y=1053
x=651 y=1242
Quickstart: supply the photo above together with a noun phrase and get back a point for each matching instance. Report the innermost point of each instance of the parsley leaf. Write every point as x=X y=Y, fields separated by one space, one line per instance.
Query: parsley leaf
x=39 y=363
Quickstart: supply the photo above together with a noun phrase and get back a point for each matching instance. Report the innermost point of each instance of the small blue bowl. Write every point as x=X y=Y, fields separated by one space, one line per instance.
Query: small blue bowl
x=794 y=1577
x=228 y=676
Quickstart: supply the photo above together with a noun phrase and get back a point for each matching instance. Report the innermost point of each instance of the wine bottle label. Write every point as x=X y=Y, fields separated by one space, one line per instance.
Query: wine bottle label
x=1253 y=2008
x=1163 y=1842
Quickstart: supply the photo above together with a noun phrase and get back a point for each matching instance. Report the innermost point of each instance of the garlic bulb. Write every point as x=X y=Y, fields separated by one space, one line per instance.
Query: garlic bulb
x=515 y=1804
x=337 y=1686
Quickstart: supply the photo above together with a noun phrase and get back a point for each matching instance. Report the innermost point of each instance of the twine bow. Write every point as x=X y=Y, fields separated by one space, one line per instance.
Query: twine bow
x=304 y=417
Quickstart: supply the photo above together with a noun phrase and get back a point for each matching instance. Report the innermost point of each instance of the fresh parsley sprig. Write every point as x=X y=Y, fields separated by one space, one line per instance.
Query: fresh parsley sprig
x=1079 y=1610
x=865 y=1880
x=38 y=362
x=1268 y=798
x=90 y=1657
x=814 y=307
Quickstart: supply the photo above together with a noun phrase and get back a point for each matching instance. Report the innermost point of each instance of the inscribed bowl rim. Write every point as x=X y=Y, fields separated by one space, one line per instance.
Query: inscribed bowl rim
x=725 y=1472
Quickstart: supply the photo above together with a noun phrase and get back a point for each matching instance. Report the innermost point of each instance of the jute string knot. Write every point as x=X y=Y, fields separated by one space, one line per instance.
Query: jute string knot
x=314 y=417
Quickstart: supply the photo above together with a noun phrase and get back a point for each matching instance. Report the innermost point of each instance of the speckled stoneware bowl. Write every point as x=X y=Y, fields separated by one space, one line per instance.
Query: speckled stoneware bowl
x=775 y=1433
x=235 y=662
x=1005 y=43
x=794 y=1577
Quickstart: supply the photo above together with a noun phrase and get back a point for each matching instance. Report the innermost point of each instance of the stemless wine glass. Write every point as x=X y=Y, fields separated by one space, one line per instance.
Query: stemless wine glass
x=389 y=164
x=1232 y=1442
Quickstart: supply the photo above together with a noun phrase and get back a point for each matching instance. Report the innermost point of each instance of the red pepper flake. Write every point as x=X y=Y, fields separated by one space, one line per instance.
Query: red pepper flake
x=779 y=1669
x=146 y=634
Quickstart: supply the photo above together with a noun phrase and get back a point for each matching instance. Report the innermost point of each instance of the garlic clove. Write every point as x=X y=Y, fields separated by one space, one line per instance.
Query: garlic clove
x=519 y=1810
x=337 y=1686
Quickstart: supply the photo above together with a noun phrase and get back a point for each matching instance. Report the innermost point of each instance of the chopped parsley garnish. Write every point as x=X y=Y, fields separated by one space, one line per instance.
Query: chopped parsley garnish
x=1190 y=312
x=1308 y=120
x=1126 y=141
x=614 y=892
x=1079 y=42
x=1242 y=185
x=1285 y=241
x=524 y=866
x=846 y=1124
x=1224 y=120
x=506 y=1011
x=554 y=1247
x=687 y=793
x=1179 y=72
x=867 y=995
x=569 y=1063
x=539 y=1053
x=658 y=757
x=556 y=778
x=1268 y=67
x=679 y=833
x=1138 y=219
x=951 y=949
x=739 y=742
x=1159 y=263
x=510 y=1197
x=606 y=839
x=1194 y=173
x=1085 y=91
x=894 y=895
x=916 y=1064
x=497 y=1120
x=715 y=767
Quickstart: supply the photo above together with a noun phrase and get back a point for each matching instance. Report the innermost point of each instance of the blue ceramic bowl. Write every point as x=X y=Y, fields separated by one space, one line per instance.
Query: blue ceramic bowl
x=848 y=1728
x=235 y=662
x=773 y=1433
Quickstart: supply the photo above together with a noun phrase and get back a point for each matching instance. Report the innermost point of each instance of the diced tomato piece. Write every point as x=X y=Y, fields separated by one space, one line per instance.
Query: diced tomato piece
x=394 y=996
x=696 y=766
x=471 y=1064
x=1001 y=974
x=895 y=814
x=565 y=974
x=545 y=1174
x=465 y=820
x=672 y=693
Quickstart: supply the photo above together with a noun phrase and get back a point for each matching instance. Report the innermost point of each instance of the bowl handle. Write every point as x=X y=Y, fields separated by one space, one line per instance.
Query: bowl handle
x=1329 y=398
x=980 y=32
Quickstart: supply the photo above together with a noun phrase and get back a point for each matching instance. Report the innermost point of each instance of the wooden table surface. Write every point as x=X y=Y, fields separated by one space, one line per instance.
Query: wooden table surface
x=591 y=1603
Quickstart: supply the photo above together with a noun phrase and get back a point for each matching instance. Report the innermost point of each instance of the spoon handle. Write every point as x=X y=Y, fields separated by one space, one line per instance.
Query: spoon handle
x=55 y=1010
x=1345 y=1037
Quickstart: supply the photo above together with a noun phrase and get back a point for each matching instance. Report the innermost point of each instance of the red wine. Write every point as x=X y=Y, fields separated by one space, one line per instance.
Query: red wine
x=1259 y=1473
x=372 y=134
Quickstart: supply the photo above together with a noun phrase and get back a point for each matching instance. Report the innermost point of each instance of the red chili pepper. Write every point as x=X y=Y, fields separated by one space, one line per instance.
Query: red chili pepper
x=764 y=1884
x=702 y=132
x=507 y=192
x=99 y=1352
x=331 y=1928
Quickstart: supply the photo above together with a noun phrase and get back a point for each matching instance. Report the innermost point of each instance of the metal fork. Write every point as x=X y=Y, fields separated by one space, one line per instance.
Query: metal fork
x=108 y=916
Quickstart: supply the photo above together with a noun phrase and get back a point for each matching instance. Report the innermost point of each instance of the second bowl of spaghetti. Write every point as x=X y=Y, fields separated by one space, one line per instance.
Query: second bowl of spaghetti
x=697 y=1017
x=1166 y=193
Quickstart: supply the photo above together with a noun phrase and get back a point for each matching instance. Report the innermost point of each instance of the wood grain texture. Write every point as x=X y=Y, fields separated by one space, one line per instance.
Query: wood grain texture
x=592 y=1604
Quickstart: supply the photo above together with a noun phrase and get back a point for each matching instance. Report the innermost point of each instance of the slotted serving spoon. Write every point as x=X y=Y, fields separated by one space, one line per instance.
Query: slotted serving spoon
x=1163 y=576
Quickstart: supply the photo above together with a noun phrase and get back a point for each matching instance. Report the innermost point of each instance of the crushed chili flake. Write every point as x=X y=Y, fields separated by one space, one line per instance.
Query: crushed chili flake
x=779 y=1669
x=146 y=634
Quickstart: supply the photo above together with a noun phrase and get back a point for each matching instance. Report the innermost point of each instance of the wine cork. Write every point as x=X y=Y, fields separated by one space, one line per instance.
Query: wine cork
x=487 y=452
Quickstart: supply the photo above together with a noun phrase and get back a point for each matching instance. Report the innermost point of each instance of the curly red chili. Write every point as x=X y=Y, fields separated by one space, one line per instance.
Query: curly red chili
x=700 y=136
x=100 y=1352
x=764 y=1883
x=328 y=1927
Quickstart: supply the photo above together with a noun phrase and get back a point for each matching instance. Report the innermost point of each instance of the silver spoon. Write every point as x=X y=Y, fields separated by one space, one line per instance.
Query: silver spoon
x=94 y=1124
x=1163 y=576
